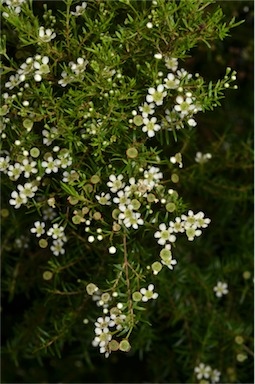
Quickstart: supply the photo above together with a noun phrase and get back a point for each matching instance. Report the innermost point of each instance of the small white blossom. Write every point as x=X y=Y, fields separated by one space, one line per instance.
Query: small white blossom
x=156 y=95
x=150 y=126
x=221 y=289
x=29 y=167
x=57 y=247
x=202 y=158
x=14 y=171
x=51 y=165
x=38 y=228
x=17 y=200
x=112 y=250
x=4 y=163
x=184 y=106
x=164 y=235
x=46 y=35
x=147 y=109
x=28 y=190
x=215 y=376
x=115 y=183
x=104 y=199
x=203 y=371
x=56 y=232
x=148 y=293
x=171 y=82
x=79 y=9
x=171 y=63
x=123 y=200
x=133 y=221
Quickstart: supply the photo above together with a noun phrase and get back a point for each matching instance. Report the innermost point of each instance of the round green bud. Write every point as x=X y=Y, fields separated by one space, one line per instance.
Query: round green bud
x=239 y=340
x=4 y=212
x=43 y=243
x=246 y=275
x=124 y=346
x=132 y=152
x=151 y=197
x=28 y=124
x=175 y=178
x=47 y=275
x=114 y=345
x=137 y=296
x=136 y=204
x=138 y=120
x=170 y=207
x=34 y=152
x=95 y=179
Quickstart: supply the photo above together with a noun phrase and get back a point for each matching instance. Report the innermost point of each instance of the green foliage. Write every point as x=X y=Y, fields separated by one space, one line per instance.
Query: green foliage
x=98 y=193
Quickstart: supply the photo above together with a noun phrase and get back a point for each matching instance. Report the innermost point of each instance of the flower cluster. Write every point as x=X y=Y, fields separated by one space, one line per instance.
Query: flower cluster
x=191 y=224
x=205 y=372
x=56 y=232
x=36 y=67
x=13 y=6
x=74 y=72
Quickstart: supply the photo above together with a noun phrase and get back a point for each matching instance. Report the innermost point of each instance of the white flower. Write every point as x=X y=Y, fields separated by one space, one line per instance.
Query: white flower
x=79 y=9
x=48 y=213
x=184 y=106
x=56 y=232
x=171 y=63
x=46 y=35
x=29 y=167
x=171 y=82
x=50 y=136
x=51 y=165
x=192 y=232
x=177 y=225
x=203 y=371
x=103 y=324
x=122 y=199
x=150 y=126
x=70 y=176
x=148 y=293
x=17 y=200
x=57 y=247
x=201 y=221
x=115 y=183
x=156 y=95
x=152 y=175
x=4 y=164
x=190 y=220
x=133 y=221
x=80 y=66
x=147 y=109
x=28 y=190
x=164 y=234
x=38 y=228
x=215 y=376
x=15 y=171
x=192 y=122
x=41 y=66
x=104 y=198
x=13 y=81
x=221 y=289
x=202 y=158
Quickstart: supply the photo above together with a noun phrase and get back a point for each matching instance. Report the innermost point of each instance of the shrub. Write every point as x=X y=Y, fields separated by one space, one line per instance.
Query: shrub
x=99 y=117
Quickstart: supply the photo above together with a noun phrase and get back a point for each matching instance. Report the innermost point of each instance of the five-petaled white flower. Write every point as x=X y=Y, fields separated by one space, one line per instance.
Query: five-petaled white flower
x=104 y=198
x=164 y=235
x=38 y=228
x=46 y=35
x=203 y=371
x=115 y=183
x=150 y=126
x=156 y=95
x=221 y=289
